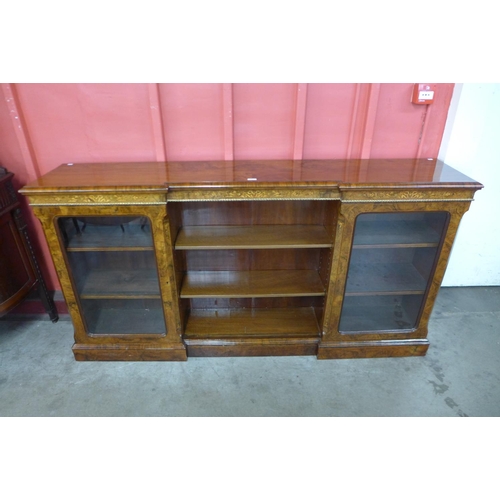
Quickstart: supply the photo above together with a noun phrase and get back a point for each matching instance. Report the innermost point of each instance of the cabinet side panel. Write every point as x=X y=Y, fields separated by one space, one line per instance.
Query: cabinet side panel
x=47 y=217
x=175 y=218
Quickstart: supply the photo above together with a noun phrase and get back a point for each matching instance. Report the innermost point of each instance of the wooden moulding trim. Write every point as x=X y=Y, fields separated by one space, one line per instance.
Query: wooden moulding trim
x=406 y=194
x=411 y=186
x=215 y=348
x=248 y=351
x=83 y=203
x=201 y=199
x=406 y=200
x=375 y=343
x=265 y=342
x=255 y=192
x=127 y=198
x=29 y=191
x=249 y=199
x=252 y=185
x=84 y=352
x=373 y=349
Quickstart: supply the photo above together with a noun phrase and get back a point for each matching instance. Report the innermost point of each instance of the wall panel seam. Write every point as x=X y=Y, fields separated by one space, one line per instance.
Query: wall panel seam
x=21 y=130
x=369 y=122
x=354 y=121
x=157 y=122
x=228 y=121
x=423 y=130
x=300 y=121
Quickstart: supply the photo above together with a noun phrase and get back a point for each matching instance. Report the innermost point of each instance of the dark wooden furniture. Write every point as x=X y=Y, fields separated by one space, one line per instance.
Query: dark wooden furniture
x=19 y=269
x=331 y=258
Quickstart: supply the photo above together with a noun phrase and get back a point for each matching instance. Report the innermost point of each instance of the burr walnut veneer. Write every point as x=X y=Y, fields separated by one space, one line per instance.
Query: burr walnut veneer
x=333 y=258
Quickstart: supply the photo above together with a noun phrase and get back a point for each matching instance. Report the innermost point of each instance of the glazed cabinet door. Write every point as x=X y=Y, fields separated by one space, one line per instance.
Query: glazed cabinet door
x=116 y=272
x=389 y=259
x=391 y=266
x=113 y=267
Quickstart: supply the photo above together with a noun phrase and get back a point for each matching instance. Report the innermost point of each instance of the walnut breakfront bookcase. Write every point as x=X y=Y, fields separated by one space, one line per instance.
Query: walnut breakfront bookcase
x=333 y=258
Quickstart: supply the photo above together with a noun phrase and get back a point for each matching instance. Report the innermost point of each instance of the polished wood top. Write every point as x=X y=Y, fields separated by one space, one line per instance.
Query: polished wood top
x=158 y=176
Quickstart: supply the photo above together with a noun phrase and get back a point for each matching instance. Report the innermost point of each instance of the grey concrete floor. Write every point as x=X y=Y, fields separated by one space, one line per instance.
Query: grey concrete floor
x=459 y=376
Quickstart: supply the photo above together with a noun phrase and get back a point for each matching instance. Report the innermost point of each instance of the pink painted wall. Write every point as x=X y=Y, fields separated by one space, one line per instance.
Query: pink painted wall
x=44 y=125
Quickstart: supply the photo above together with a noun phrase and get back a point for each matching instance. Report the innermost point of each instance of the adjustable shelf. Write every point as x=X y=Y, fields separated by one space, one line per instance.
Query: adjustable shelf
x=107 y=238
x=293 y=283
x=124 y=317
x=252 y=237
x=394 y=234
x=258 y=323
x=384 y=279
x=379 y=313
x=120 y=284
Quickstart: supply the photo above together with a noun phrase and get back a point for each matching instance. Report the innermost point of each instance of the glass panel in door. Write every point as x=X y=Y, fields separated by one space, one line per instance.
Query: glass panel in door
x=114 y=272
x=390 y=270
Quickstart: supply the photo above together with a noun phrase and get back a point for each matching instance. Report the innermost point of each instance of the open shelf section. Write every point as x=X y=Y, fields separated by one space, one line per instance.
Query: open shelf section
x=117 y=284
x=257 y=236
x=384 y=278
x=394 y=233
x=224 y=323
x=294 y=283
x=130 y=237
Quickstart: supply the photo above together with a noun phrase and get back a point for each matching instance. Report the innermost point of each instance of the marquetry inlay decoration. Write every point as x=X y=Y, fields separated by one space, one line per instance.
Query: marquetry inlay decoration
x=98 y=199
x=413 y=196
x=252 y=194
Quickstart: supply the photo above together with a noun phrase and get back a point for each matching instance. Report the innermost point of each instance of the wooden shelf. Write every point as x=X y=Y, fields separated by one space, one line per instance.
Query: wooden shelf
x=109 y=317
x=111 y=238
x=121 y=284
x=251 y=237
x=375 y=318
x=198 y=284
x=384 y=279
x=224 y=323
x=393 y=234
